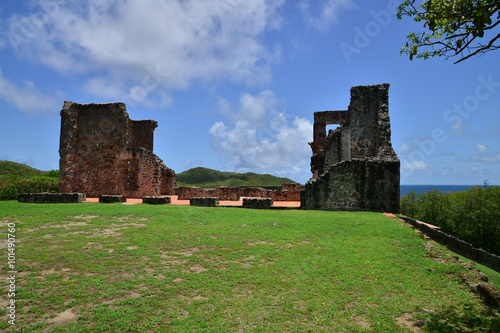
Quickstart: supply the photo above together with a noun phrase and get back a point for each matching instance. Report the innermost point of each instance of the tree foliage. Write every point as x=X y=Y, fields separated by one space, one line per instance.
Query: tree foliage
x=455 y=28
x=472 y=215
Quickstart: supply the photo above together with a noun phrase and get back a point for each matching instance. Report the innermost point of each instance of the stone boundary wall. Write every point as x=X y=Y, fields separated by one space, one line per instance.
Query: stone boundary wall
x=257 y=203
x=204 y=202
x=288 y=192
x=156 y=200
x=282 y=195
x=187 y=193
x=46 y=197
x=112 y=198
x=456 y=245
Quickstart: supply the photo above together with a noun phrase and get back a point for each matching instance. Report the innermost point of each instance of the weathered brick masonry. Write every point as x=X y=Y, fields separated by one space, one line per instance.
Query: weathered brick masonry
x=288 y=192
x=103 y=152
x=355 y=166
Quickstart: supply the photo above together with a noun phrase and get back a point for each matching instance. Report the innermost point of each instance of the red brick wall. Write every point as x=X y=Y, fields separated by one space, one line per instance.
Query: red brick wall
x=290 y=192
x=103 y=152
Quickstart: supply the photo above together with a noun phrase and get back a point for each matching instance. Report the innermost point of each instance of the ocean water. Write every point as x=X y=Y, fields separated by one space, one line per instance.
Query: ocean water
x=426 y=188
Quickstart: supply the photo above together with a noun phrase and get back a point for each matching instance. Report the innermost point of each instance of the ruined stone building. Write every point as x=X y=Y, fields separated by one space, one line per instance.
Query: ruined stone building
x=354 y=167
x=103 y=152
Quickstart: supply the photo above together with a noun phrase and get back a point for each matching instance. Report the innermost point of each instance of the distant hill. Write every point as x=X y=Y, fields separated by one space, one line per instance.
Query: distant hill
x=204 y=177
x=17 y=171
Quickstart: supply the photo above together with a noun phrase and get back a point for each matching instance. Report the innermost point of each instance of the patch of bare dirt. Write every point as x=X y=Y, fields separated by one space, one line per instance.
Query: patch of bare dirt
x=260 y=243
x=65 y=317
x=4 y=302
x=84 y=217
x=132 y=294
x=406 y=321
x=187 y=252
x=173 y=262
x=123 y=218
x=70 y=224
x=196 y=269
x=195 y=298
x=363 y=322
x=53 y=271
x=130 y=224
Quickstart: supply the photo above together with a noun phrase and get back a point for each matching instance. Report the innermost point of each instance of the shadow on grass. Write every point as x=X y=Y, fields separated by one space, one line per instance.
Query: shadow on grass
x=463 y=319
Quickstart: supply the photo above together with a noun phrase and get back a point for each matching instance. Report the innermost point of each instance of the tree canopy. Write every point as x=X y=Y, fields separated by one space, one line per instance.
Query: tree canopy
x=455 y=28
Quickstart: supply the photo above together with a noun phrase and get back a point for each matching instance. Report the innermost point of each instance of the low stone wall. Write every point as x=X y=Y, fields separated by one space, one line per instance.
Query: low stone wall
x=204 y=202
x=112 y=198
x=456 y=245
x=282 y=195
x=288 y=192
x=228 y=193
x=257 y=203
x=223 y=193
x=186 y=193
x=252 y=192
x=291 y=187
x=51 y=197
x=156 y=200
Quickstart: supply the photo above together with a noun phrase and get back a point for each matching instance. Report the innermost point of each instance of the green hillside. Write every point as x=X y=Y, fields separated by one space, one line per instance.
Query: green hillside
x=17 y=171
x=204 y=177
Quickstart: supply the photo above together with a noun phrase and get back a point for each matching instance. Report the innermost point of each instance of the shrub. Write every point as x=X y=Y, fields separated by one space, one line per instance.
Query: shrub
x=10 y=190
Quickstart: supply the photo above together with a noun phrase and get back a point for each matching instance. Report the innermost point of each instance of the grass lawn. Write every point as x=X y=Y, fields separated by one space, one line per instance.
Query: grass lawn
x=140 y=268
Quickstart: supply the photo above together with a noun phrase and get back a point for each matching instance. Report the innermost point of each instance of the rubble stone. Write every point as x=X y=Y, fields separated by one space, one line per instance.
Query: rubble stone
x=355 y=167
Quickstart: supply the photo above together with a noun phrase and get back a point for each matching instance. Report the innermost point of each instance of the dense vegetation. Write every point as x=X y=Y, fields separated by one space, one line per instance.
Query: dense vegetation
x=12 y=171
x=204 y=177
x=10 y=190
x=18 y=178
x=473 y=215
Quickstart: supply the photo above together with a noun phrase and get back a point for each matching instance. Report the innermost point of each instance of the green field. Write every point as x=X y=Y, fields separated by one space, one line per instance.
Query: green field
x=140 y=268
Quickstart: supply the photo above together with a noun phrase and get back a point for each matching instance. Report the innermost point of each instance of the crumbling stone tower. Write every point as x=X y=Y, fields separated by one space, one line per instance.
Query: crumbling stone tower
x=102 y=151
x=355 y=166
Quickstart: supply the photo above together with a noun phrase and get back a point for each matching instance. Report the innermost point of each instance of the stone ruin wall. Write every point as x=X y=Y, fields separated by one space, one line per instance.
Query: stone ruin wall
x=354 y=167
x=288 y=192
x=103 y=152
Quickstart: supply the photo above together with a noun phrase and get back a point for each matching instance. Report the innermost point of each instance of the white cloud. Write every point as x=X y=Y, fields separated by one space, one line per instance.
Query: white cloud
x=481 y=148
x=328 y=13
x=265 y=140
x=141 y=41
x=27 y=98
x=482 y=155
x=416 y=165
x=104 y=87
x=405 y=148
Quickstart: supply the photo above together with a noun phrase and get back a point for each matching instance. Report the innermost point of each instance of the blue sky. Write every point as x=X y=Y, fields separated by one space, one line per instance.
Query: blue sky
x=234 y=84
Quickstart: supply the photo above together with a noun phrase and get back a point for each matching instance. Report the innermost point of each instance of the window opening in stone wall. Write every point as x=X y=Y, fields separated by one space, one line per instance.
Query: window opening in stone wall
x=331 y=127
